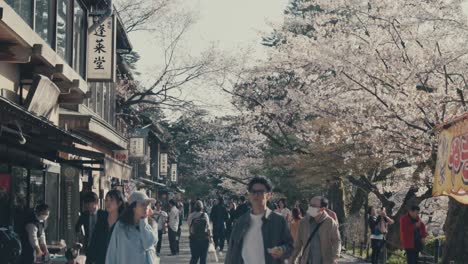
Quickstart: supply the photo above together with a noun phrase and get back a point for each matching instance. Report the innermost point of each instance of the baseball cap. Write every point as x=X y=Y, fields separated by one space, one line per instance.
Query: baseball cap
x=140 y=197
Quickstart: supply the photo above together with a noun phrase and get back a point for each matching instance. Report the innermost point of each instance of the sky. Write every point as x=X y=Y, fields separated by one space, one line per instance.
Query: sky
x=229 y=25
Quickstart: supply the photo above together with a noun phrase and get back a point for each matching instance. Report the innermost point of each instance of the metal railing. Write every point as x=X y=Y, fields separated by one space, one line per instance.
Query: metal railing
x=362 y=250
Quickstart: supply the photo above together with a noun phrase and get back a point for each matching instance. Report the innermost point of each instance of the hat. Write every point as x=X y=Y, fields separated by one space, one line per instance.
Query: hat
x=140 y=197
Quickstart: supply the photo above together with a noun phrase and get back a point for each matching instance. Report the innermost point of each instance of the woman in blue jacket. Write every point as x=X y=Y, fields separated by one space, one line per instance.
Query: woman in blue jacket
x=135 y=235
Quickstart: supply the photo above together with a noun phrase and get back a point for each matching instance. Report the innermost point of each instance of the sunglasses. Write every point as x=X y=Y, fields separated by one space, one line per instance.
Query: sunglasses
x=257 y=192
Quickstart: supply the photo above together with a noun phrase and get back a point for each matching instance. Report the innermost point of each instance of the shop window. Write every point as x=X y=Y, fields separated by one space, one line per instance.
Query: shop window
x=52 y=198
x=23 y=8
x=105 y=101
x=79 y=39
x=36 y=188
x=5 y=191
x=63 y=31
x=45 y=20
x=99 y=100
x=19 y=195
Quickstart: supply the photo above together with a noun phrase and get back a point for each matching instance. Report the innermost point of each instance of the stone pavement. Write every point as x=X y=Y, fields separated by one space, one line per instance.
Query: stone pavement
x=184 y=257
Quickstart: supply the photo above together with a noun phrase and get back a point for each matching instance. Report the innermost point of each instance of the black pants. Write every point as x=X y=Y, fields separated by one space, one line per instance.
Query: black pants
x=173 y=241
x=199 y=251
x=412 y=255
x=377 y=245
x=160 y=237
x=218 y=237
x=179 y=234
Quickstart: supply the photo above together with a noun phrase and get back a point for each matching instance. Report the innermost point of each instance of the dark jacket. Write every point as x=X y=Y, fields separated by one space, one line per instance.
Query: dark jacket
x=275 y=233
x=241 y=210
x=27 y=248
x=83 y=220
x=219 y=215
x=97 y=249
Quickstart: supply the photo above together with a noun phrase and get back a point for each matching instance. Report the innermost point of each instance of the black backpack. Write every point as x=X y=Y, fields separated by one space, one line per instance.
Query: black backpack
x=199 y=227
x=10 y=246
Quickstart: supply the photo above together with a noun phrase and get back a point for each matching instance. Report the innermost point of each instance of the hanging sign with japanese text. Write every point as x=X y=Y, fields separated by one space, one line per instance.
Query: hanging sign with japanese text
x=101 y=50
x=163 y=170
x=451 y=173
x=174 y=172
x=137 y=147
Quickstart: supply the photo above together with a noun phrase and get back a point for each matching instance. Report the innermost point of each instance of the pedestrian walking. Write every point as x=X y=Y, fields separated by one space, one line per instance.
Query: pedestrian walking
x=173 y=227
x=200 y=234
x=180 y=207
x=33 y=238
x=88 y=219
x=115 y=205
x=230 y=221
x=318 y=238
x=260 y=236
x=412 y=234
x=242 y=209
x=283 y=210
x=330 y=213
x=219 y=215
x=378 y=223
x=192 y=204
x=134 y=237
x=161 y=218
x=294 y=223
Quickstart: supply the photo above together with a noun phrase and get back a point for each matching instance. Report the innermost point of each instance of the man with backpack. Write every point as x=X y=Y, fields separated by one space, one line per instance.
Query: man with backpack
x=200 y=234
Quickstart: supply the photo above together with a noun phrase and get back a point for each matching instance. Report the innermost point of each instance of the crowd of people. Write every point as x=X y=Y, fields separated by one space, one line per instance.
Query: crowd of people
x=253 y=229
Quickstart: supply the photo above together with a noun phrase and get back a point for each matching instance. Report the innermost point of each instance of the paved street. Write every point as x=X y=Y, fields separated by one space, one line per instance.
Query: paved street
x=184 y=256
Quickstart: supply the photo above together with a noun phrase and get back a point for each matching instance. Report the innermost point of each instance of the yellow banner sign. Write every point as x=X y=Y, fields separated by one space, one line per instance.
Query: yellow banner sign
x=451 y=174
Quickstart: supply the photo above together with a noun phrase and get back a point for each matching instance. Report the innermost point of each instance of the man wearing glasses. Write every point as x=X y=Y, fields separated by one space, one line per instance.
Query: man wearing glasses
x=318 y=238
x=259 y=236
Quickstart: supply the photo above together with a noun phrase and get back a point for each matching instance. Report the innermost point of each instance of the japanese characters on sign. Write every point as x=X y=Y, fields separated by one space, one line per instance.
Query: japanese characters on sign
x=101 y=51
x=451 y=173
x=163 y=169
x=121 y=155
x=174 y=172
x=137 y=147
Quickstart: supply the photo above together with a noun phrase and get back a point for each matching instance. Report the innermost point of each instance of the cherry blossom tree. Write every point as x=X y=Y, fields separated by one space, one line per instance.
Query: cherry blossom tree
x=383 y=73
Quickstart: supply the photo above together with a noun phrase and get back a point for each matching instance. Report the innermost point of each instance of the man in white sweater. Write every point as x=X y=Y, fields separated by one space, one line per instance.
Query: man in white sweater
x=173 y=227
x=259 y=236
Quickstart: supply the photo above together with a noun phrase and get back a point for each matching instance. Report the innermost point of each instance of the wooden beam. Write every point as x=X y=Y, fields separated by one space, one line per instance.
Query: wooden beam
x=67 y=86
x=44 y=70
x=66 y=99
x=81 y=162
x=13 y=53
x=91 y=168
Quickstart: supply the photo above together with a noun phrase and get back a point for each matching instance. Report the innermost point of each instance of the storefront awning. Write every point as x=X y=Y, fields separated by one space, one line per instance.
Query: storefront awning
x=32 y=126
x=86 y=124
x=147 y=181
x=116 y=169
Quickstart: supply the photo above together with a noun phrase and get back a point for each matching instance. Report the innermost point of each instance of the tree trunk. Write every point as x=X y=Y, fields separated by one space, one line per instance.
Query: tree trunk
x=337 y=199
x=358 y=201
x=456 y=233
